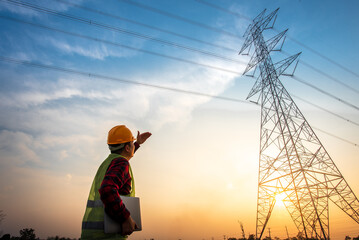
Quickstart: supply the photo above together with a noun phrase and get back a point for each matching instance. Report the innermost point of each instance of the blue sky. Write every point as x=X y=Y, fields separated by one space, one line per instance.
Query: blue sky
x=53 y=124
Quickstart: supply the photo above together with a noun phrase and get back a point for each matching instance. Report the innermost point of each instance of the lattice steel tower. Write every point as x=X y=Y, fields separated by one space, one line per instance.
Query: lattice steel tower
x=292 y=159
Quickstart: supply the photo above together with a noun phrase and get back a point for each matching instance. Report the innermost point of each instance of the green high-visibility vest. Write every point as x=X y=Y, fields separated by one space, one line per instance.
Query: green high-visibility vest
x=93 y=220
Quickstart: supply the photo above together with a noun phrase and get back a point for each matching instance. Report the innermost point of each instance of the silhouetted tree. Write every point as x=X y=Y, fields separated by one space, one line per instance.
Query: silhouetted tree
x=347 y=238
x=2 y=217
x=27 y=234
x=251 y=237
x=5 y=237
x=58 y=238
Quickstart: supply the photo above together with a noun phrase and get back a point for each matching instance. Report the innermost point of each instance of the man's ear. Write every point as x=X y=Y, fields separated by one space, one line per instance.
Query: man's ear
x=127 y=147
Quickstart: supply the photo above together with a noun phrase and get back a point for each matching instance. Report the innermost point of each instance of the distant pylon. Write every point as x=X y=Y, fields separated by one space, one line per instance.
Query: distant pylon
x=292 y=159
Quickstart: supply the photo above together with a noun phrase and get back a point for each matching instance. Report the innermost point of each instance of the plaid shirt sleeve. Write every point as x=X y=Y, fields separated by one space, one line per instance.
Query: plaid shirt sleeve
x=117 y=181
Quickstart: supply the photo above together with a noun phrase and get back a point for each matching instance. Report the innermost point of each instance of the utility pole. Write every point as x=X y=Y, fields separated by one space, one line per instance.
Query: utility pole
x=242 y=229
x=243 y=234
x=286 y=229
x=270 y=237
x=292 y=160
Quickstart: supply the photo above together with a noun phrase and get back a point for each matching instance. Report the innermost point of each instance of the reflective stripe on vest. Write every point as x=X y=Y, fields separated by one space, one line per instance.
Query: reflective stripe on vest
x=93 y=220
x=93 y=225
x=93 y=204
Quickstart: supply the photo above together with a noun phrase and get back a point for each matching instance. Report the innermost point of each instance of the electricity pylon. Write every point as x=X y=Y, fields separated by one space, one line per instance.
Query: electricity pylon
x=292 y=159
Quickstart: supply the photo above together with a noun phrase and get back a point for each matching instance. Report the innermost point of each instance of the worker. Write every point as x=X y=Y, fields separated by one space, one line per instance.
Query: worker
x=113 y=179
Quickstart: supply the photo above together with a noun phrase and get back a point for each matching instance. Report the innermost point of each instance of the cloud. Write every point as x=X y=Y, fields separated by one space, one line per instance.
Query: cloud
x=18 y=9
x=96 y=52
x=57 y=122
x=92 y=49
x=72 y=99
x=33 y=98
x=18 y=148
x=68 y=177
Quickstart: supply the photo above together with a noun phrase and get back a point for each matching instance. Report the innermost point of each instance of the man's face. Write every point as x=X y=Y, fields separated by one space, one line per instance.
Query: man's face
x=131 y=149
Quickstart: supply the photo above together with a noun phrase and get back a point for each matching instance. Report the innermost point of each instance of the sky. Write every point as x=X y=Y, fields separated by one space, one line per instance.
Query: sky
x=73 y=71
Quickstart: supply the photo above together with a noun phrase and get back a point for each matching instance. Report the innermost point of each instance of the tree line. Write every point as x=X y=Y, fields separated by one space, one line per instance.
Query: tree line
x=29 y=234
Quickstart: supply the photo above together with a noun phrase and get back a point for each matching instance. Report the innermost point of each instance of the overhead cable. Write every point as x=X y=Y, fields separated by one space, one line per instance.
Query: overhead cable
x=121 y=45
x=288 y=36
x=116 y=29
x=99 y=76
x=325 y=74
x=329 y=76
x=171 y=57
x=145 y=25
x=326 y=110
x=171 y=15
x=106 y=26
x=174 y=58
x=325 y=92
x=94 y=23
x=224 y=10
x=322 y=56
x=342 y=139
x=249 y=19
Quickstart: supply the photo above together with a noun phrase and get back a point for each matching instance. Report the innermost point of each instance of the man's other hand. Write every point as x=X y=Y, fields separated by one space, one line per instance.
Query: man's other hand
x=128 y=226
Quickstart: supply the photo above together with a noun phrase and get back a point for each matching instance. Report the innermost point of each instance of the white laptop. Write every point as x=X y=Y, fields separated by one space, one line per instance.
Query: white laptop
x=133 y=206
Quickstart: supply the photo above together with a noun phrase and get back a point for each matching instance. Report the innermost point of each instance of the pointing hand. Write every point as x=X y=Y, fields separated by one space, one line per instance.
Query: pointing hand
x=141 y=138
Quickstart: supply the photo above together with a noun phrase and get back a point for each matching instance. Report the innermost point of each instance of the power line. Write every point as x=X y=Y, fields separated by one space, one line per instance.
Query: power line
x=171 y=57
x=249 y=19
x=330 y=112
x=325 y=92
x=94 y=75
x=224 y=10
x=342 y=139
x=171 y=15
x=116 y=29
x=94 y=23
x=288 y=36
x=99 y=76
x=242 y=16
x=321 y=55
x=324 y=74
x=149 y=52
x=329 y=76
x=201 y=41
x=91 y=22
x=120 y=45
x=326 y=110
x=95 y=39
x=146 y=25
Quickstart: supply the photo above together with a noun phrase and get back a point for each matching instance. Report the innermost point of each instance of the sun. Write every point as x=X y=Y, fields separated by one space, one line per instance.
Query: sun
x=279 y=197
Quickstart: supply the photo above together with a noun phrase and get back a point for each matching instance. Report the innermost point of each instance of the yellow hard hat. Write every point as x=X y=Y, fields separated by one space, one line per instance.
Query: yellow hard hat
x=119 y=134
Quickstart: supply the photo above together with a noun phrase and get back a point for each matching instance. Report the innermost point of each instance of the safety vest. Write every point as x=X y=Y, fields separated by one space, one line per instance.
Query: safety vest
x=93 y=220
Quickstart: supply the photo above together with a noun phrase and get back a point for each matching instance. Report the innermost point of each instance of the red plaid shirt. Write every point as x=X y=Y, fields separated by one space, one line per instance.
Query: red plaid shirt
x=117 y=181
